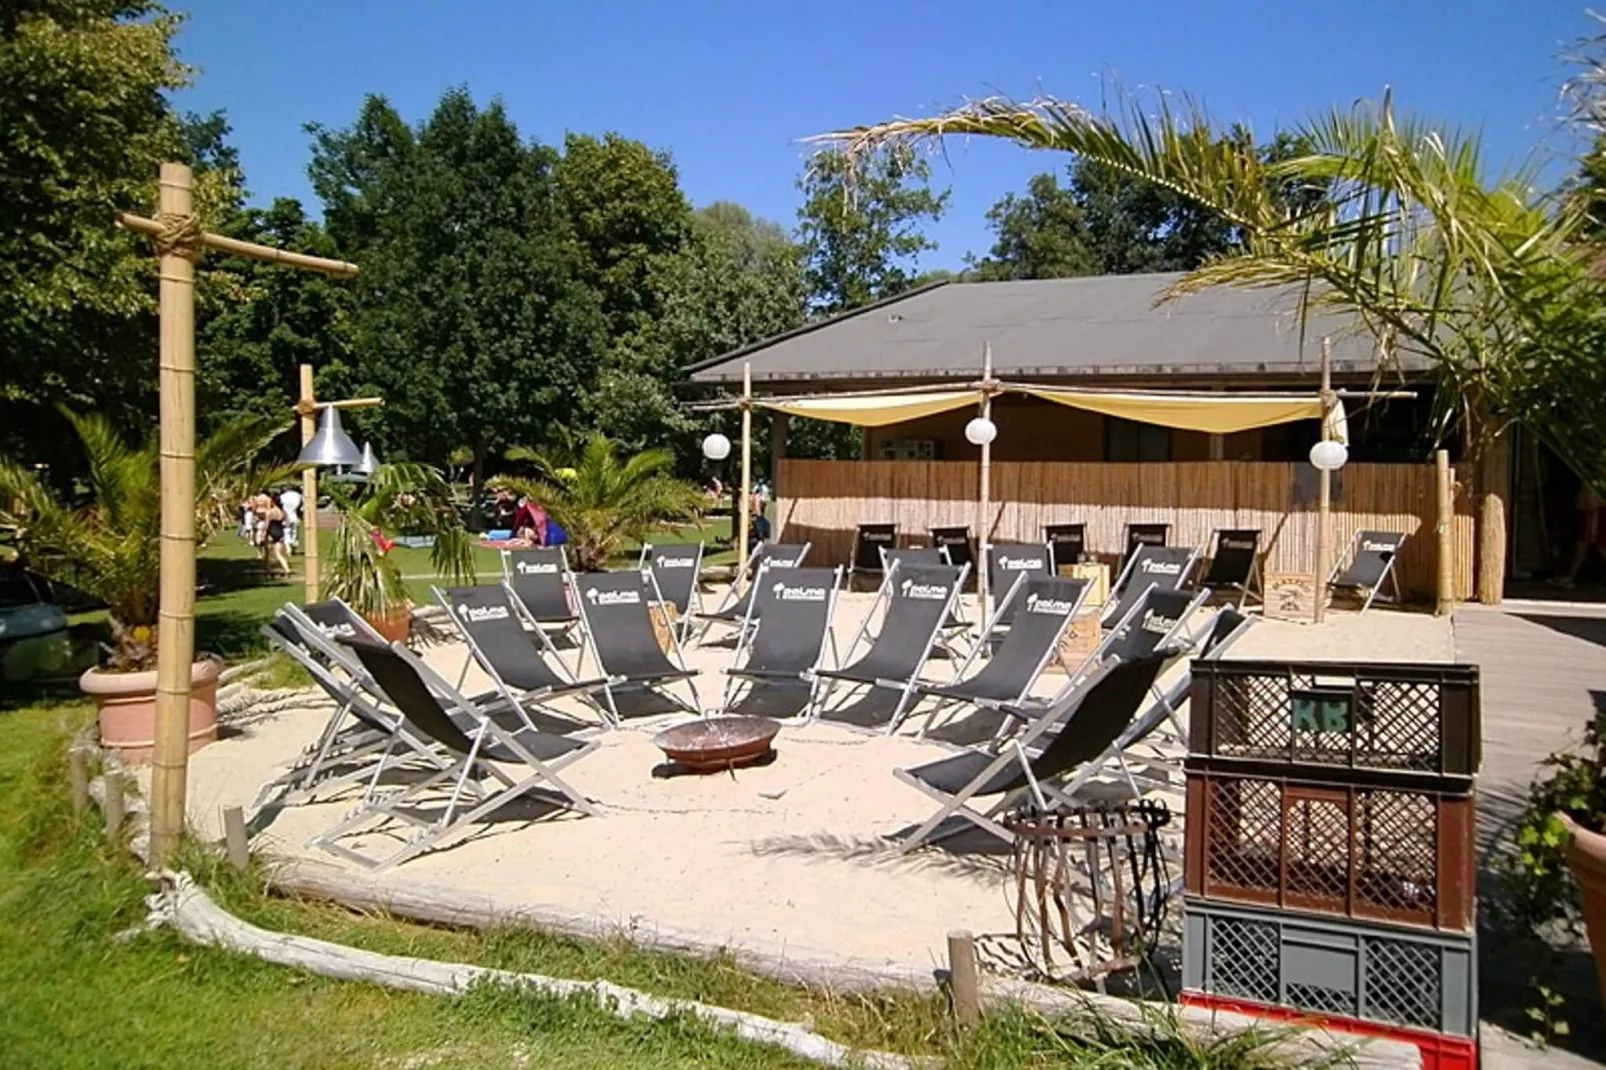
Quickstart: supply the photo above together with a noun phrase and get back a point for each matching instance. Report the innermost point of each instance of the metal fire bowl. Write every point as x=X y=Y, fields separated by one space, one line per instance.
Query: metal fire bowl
x=720 y=743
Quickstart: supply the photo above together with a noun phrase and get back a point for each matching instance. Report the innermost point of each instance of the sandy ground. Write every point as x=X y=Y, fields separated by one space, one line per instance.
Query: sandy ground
x=791 y=858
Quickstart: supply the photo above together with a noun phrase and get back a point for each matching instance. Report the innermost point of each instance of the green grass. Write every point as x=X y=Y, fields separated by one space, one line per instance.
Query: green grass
x=72 y=994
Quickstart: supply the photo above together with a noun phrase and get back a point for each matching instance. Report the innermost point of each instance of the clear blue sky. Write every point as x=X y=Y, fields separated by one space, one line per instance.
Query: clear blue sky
x=729 y=87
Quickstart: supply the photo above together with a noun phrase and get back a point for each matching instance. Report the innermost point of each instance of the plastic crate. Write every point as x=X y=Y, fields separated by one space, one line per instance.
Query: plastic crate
x=1438 y=1051
x=1392 y=721
x=1374 y=973
x=1381 y=854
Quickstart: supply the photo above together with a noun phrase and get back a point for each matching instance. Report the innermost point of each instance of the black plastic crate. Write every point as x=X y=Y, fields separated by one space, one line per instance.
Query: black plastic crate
x=1377 y=973
x=1334 y=720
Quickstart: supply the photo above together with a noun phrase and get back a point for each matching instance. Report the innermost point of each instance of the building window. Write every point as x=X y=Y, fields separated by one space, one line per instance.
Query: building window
x=1128 y=440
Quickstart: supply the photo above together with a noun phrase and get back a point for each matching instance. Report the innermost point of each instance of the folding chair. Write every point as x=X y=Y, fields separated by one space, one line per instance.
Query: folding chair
x=540 y=581
x=487 y=619
x=1235 y=565
x=733 y=608
x=616 y=617
x=1140 y=535
x=956 y=626
x=776 y=661
x=1371 y=564
x=474 y=786
x=677 y=570
x=1166 y=567
x=1066 y=544
x=868 y=542
x=918 y=603
x=1074 y=730
x=957 y=544
x=1042 y=608
x=1006 y=561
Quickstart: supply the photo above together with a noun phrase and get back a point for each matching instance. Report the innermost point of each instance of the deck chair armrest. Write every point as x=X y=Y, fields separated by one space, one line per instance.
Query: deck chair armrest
x=894 y=684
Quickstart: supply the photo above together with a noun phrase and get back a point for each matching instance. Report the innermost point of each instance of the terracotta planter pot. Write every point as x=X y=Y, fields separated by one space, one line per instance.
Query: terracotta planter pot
x=1586 y=857
x=394 y=625
x=127 y=705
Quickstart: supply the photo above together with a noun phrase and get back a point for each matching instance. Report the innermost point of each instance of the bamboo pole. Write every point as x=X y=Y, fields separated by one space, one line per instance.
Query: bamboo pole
x=234 y=247
x=984 y=504
x=176 y=615
x=1446 y=518
x=963 y=981
x=746 y=510
x=1324 y=492
x=309 y=491
x=1494 y=478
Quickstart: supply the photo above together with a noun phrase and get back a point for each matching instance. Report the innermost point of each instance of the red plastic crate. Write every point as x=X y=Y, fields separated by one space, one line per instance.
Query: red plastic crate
x=1439 y=1052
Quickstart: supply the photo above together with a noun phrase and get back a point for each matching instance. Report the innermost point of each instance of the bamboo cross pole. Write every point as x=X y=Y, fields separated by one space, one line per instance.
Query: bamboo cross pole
x=179 y=242
x=1324 y=492
x=307 y=408
x=745 y=513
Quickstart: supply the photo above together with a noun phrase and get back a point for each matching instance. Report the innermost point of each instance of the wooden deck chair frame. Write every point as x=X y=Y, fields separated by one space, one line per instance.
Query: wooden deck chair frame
x=590 y=644
x=733 y=674
x=459 y=774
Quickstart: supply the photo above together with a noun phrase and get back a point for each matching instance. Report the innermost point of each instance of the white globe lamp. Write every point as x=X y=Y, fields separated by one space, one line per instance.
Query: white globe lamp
x=1328 y=455
x=716 y=447
x=981 y=431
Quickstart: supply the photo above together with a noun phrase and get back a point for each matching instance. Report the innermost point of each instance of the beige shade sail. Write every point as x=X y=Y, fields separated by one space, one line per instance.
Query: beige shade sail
x=874 y=410
x=1216 y=414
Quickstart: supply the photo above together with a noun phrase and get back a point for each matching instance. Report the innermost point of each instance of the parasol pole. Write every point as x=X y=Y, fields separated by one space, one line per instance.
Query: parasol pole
x=984 y=503
x=1324 y=485
x=745 y=513
x=309 y=490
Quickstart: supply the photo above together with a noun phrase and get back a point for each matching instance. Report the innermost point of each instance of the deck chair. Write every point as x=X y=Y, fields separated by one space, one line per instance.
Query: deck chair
x=918 y=602
x=733 y=608
x=957 y=626
x=1042 y=608
x=473 y=784
x=1005 y=562
x=1066 y=544
x=957 y=544
x=677 y=570
x=616 y=616
x=487 y=619
x=868 y=542
x=540 y=579
x=1074 y=730
x=1235 y=565
x=1226 y=628
x=776 y=662
x=1166 y=567
x=1371 y=564
x=1140 y=535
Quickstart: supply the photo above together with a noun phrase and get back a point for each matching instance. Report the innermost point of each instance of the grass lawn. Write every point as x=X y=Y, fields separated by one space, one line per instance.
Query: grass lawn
x=79 y=988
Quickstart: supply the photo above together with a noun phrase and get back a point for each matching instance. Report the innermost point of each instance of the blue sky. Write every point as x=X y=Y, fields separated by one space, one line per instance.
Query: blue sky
x=729 y=87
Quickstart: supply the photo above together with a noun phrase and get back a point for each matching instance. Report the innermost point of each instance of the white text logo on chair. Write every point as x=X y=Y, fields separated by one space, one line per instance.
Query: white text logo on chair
x=337 y=629
x=783 y=593
x=1157 y=622
x=1161 y=568
x=674 y=562
x=1237 y=544
x=1368 y=546
x=475 y=614
x=1036 y=603
x=535 y=568
x=911 y=589
x=613 y=598
x=1019 y=564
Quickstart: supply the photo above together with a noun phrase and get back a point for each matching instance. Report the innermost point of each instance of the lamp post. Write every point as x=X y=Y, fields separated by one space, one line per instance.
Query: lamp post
x=716 y=447
x=980 y=432
x=1327 y=457
x=324 y=443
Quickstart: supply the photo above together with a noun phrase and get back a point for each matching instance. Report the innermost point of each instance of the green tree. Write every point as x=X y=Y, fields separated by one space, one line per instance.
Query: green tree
x=84 y=123
x=860 y=244
x=1042 y=234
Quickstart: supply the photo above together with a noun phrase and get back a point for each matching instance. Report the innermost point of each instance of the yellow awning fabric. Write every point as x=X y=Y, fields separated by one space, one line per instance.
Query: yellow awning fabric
x=874 y=410
x=1216 y=414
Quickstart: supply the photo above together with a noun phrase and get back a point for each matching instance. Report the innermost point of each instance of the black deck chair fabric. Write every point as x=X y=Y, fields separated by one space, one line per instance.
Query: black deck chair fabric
x=956 y=543
x=781 y=654
x=770 y=555
x=1066 y=543
x=339 y=621
x=540 y=579
x=490 y=624
x=676 y=569
x=1165 y=567
x=1160 y=613
x=617 y=616
x=868 y=543
x=1008 y=560
x=1140 y=535
x=1371 y=564
x=1235 y=564
x=927 y=557
x=1045 y=606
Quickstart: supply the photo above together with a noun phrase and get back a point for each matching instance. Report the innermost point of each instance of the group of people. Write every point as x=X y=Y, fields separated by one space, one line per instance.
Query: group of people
x=271 y=522
x=527 y=521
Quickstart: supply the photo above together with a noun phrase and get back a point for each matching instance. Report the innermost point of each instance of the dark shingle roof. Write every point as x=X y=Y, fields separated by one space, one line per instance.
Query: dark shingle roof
x=1083 y=327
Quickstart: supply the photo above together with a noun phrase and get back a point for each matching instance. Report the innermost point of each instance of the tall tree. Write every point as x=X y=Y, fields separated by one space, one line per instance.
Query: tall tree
x=1041 y=234
x=861 y=244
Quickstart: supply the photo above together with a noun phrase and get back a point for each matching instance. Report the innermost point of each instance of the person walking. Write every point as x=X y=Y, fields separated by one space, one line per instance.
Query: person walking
x=273 y=537
x=290 y=502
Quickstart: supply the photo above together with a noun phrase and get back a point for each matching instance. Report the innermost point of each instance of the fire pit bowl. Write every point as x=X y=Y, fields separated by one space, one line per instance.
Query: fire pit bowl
x=718 y=744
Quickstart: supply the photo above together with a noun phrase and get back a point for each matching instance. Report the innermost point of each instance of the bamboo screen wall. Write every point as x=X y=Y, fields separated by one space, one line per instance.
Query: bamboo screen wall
x=824 y=501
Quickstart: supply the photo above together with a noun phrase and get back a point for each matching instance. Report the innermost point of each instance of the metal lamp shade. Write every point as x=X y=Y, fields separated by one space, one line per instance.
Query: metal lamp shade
x=369 y=462
x=331 y=445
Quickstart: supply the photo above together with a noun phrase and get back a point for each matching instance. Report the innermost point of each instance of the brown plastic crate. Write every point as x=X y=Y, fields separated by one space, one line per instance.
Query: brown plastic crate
x=1381 y=854
x=1396 y=722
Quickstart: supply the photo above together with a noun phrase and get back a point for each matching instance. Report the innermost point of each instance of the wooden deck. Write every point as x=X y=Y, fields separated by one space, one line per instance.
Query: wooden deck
x=1544 y=676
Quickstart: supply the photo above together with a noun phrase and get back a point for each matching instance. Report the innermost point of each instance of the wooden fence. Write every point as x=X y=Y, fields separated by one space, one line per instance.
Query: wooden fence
x=824 y=501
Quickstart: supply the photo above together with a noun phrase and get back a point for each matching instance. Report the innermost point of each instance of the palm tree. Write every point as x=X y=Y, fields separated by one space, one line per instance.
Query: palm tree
x=1491 y=281
x=602 y=499
x=109 y=546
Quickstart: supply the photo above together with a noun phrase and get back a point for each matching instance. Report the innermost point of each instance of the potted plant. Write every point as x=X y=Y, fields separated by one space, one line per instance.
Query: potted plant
x=602 y=499
x=106 y=544
x=359 y=568
x=1561 y=834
